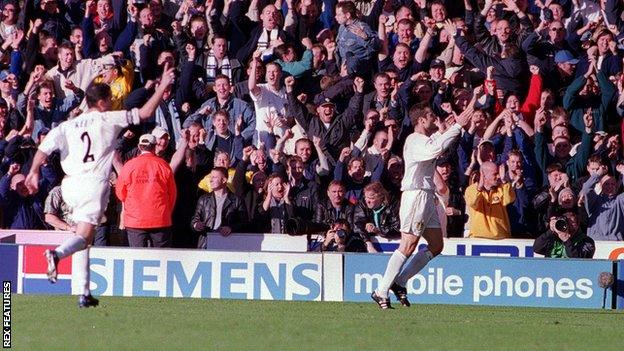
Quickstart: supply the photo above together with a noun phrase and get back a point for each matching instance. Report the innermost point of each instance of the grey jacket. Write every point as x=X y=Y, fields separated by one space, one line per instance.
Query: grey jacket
x=605 y=213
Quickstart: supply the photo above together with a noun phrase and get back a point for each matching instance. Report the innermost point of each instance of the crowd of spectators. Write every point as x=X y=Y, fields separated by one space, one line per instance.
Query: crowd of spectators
x=291 y=116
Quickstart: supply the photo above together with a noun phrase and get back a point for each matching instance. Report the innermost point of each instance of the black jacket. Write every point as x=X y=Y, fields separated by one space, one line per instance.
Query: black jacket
x=389 y=224
x=334 y=138
x=489 y=43
x=304 y=197
x=233 y=214
x=263 y=219
x=326 y=214
x=509 y=73
x=578 y=246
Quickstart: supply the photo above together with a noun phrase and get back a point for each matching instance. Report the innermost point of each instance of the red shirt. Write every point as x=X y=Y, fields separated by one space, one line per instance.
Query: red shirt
x=146 y=187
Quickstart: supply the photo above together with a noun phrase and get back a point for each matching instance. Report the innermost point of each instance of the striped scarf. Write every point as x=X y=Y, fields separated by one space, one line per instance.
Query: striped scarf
x=264 y=41
x=212 y=67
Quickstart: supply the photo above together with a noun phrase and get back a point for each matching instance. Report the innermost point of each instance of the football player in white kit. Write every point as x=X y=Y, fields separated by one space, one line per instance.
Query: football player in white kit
x=87 y=146
x=418 y=214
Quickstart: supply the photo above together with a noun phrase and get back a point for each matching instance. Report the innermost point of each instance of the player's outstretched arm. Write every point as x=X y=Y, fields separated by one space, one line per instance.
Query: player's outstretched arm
x=147 y=110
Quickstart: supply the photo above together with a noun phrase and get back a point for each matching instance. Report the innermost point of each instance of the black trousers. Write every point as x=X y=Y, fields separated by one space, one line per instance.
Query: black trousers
x=157 y=237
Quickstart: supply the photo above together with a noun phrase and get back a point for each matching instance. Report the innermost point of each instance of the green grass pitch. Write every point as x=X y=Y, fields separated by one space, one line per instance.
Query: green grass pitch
x=56 y=323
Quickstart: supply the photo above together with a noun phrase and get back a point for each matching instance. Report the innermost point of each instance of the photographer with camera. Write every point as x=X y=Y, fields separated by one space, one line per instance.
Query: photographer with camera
x=340 y=238
x=564 y=239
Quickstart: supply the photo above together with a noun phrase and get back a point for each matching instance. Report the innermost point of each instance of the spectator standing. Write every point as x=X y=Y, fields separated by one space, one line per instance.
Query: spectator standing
x=219 y=211
x=487 y=201
x=147 y=189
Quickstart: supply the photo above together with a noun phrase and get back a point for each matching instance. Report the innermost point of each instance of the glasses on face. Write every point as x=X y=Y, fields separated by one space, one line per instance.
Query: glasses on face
x=557 y=29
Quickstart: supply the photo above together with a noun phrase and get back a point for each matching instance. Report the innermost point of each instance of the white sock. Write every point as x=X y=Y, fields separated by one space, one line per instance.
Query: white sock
x=393 y=268
x=81 y=274
x=413 y=266
x=71 y=245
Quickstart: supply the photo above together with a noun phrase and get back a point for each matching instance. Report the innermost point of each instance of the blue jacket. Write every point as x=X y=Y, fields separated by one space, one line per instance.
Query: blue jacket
x=25 y=213
x=358 y=53
x=606 y=214
x=50 y=119
x=235 y=107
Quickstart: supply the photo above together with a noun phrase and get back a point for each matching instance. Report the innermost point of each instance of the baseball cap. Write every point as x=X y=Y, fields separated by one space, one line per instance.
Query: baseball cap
x=147 y=139
x=327 y=101
x=4 y=75
x=565 y=56
x=159 y=132
x=437 y=63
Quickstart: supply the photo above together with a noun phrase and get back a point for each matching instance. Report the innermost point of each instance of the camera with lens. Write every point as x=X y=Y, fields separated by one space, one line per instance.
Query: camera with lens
x=341 y=233
x=561 y=224
x=548 y=15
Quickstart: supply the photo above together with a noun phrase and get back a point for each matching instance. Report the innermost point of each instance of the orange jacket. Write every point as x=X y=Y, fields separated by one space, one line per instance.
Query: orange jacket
x=147 y=189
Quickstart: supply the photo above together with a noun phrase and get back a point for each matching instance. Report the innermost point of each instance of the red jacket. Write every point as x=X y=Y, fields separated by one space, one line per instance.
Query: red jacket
x=147 y=189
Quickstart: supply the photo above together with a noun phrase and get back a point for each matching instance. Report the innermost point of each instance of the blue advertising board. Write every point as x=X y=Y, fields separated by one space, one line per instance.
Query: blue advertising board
x=487 y=281
x=9 y=258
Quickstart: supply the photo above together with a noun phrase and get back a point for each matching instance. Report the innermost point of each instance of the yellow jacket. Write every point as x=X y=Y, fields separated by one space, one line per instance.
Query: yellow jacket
x=204 y=184
x=122 y=85
x=488 y=212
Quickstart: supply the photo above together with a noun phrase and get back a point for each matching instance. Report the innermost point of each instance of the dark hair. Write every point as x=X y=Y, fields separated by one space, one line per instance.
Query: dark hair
x=320 y=47
x=223 y=113
x=221 y=170
x=381 y=75
x=96 y=92
x=67 y=45
x=515 y=152
x=595 y=159
x=402 y=45
x=292 y=159
x=336 y=183
x=218 y=36
x=47 y=84
x=554 y=167
x=281 y=50
x=303 y=140
x=342 y=222
x=407 y=21
x=416 y=113
x=347 y=7
x=222 y=76
x=269 y=179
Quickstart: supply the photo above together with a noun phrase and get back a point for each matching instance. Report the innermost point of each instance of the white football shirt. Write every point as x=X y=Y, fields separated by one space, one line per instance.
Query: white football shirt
x=420 y=153
x=87 y=142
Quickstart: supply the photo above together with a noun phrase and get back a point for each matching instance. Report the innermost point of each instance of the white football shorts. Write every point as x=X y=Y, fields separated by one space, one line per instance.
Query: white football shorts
x=88 y=198
x=418 y=211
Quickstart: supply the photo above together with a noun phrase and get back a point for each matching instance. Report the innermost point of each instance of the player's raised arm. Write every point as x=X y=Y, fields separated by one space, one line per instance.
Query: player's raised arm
x=147 y=110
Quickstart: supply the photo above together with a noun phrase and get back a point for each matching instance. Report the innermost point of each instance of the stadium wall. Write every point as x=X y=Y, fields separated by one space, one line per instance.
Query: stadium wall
x=254 y=242
x=498 y=281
